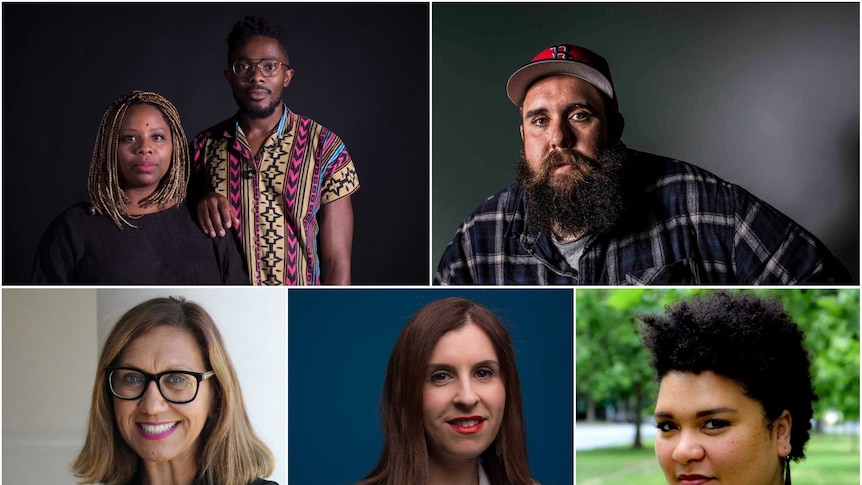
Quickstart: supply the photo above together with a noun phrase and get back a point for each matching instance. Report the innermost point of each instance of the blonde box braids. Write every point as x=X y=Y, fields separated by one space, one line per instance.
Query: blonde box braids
x=103 y=183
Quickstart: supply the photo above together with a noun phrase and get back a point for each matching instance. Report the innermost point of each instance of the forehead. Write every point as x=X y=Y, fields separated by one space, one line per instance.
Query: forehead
x=163 y=348
x=561 y=91
x=686 y=393
x=467 y=344
x=143 y=112
x=258 y=47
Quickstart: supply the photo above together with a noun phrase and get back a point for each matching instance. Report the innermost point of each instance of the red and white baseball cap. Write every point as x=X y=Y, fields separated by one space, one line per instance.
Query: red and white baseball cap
x=566 y=59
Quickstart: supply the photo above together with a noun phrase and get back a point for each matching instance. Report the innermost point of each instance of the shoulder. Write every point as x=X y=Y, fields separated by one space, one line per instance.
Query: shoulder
x=312 y=127
x=77 y=216
x=507 y=201
x=221 y=130
x=660 y=171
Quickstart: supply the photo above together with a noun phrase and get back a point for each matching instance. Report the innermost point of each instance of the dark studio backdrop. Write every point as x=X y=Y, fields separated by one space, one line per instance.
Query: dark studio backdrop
x=361 y=70
x=339 y=343
x=763 y=95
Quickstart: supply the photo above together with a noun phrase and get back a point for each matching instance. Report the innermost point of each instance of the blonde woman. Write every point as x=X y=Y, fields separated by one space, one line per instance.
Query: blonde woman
x=167 y=407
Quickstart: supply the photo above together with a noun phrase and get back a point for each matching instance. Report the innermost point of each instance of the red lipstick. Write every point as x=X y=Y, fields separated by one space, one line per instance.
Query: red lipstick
x=467 y=425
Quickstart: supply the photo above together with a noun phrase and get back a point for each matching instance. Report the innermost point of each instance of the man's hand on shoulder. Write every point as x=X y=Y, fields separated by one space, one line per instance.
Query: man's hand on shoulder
x=215 y=215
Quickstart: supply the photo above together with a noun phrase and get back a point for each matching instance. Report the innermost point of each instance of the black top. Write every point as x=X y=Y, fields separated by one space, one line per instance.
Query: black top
x=166 y=248
x=257 y=481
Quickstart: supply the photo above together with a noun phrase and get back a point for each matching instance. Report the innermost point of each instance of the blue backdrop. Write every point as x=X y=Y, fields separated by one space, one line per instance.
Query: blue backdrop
x=339 y=343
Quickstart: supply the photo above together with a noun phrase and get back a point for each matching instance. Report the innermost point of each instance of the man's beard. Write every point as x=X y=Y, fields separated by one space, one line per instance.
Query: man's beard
x=588 y=198
x=256 y=113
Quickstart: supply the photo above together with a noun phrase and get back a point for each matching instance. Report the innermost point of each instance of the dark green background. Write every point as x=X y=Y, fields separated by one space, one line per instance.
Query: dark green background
x=763 y=95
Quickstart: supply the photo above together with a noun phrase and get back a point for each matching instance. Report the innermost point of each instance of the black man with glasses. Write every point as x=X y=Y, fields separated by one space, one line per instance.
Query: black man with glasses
x=281 y=181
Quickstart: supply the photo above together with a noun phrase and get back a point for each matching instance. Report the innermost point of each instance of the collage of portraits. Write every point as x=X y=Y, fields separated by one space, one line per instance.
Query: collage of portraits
x=431 y=243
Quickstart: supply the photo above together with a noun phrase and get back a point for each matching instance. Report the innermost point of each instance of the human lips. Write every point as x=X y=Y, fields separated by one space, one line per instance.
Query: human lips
x=467 y=425
x=257 y=94
x=156 y=431
x=145 y=165
x=692 y=479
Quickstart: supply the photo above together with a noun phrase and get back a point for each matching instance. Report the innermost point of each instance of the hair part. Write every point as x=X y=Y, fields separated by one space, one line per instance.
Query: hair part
x=743 y=337
x=404 y=458
x=254 y=26
x=230 y=451
x=103 y=183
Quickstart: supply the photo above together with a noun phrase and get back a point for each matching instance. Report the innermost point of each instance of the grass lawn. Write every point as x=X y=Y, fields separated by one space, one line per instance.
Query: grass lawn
x=832 y=460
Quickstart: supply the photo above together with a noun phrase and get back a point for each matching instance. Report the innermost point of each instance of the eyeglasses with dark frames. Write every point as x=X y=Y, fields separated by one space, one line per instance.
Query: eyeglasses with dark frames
x=176 y=386
x=268 y=67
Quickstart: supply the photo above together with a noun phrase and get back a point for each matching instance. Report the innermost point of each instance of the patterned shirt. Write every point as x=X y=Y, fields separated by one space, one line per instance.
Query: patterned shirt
x=277 y=194
x=683 y=225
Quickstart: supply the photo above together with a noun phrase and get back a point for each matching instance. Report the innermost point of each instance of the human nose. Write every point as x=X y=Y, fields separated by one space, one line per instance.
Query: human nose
x=256 y=74
x=152 y=400
x=688 y=448
x=466 y=395
x=561 y=134
x=145 y=145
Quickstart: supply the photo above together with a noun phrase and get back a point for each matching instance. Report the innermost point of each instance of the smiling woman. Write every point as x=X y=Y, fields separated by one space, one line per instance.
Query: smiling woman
x=735 y=391
x=451 y=402
x=135 y=227
x=167 y=405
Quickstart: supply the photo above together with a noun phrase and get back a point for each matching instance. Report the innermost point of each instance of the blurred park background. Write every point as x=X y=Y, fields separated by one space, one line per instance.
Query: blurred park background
x=616 y=389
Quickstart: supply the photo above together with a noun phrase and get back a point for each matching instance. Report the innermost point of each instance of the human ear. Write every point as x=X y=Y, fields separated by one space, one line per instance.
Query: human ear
x=782 y=427
x=288 y=75
x=618 y=124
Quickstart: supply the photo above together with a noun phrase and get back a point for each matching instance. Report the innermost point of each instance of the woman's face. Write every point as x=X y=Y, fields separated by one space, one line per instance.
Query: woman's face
x=709 y=431
x=160 y=431
x=144 y=150
x=464 y=395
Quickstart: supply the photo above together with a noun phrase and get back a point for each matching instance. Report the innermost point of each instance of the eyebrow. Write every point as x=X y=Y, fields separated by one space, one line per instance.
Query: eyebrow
x=484 y=363
x=569 y=107
x=699 y=414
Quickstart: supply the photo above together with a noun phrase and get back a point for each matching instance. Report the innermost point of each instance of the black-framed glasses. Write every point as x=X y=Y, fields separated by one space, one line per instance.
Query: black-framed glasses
x=176 y=386
x=267 y=67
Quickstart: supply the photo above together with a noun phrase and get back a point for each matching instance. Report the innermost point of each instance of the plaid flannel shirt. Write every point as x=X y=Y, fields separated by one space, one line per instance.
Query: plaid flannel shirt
x=682 y=226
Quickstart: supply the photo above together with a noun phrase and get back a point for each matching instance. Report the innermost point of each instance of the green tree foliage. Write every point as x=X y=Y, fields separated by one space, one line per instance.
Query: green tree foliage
x=612 y=365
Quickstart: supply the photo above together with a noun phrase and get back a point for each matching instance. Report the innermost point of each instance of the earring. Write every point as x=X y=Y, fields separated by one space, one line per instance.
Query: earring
x=787 y=470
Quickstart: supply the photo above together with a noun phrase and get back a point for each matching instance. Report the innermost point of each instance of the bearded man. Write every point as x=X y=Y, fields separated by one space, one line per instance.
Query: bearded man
x=588 y=210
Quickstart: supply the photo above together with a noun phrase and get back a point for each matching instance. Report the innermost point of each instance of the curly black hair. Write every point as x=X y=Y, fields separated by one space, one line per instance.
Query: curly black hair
x=743 y=337
x=251 y=26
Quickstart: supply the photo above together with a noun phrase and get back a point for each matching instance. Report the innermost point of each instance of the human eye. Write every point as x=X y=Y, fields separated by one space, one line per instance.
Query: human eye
x=440 y=377
x=132 y=379
x=665 y=426
x=539 y=121
x=127 y=138
x=177 y=380
x=716 y=424
x=159 y=137
x=269 y=66
x=581 y=115
x=484 y=373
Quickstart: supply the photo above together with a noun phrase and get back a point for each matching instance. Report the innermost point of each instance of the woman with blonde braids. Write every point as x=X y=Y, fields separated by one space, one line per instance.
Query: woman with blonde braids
x=135 y=228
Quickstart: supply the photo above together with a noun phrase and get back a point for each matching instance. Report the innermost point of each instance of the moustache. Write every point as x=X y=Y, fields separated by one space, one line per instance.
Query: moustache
x=581 y=165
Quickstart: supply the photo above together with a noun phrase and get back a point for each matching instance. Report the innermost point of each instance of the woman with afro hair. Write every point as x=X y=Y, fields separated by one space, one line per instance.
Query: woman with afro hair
x=735 y=394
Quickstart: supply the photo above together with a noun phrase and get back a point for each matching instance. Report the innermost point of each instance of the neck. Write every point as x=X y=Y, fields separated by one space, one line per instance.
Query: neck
x=136 y=196
x=459 y=473
x=565 y=236
x=260 y=125
x=168 y=473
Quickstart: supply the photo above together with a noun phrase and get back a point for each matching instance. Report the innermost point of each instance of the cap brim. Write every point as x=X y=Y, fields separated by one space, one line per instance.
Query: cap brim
x=520 y=80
